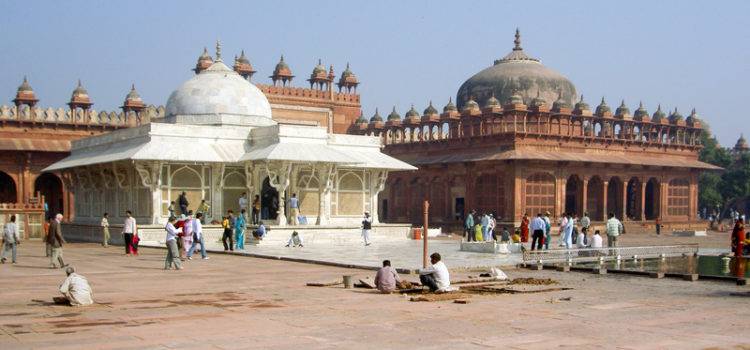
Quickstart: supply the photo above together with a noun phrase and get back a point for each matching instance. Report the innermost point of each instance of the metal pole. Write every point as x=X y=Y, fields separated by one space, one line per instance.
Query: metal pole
x=426 y=208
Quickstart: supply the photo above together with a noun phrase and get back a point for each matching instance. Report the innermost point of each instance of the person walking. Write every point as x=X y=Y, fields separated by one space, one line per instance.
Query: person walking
x=228 y=225
x=182 y=201
x=657 y=224
x=203 y=210
x=537 y=232
x=547 y=230
x=256 y=210
x=469 y=226
x=239 y=230
x=173 y=255
x=56 y=241
x=367 y=228
x=485 y=220
x=568 y=231
x=198 y=238
x=128 y=230
x=614 y=229
x=105 y=230
x=47 y=247
x=525 y=228
x=294 y=209
x=187 y=235
x=10 y=240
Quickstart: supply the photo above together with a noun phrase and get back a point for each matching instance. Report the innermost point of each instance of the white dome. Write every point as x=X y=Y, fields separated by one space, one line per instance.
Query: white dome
x=218 y=95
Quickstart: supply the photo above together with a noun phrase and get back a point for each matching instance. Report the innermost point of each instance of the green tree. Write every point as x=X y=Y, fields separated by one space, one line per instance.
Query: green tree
x=711 y=184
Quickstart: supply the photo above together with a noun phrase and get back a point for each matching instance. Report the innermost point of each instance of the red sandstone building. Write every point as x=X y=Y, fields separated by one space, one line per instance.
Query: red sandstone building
x=518 y=142
x=32 y=138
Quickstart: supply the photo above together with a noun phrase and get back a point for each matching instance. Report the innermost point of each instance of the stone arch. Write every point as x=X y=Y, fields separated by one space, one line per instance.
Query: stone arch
x=308 y=187
x=540 y=193
x=189 y=180
x=614 y=197
x=652 y=203
x=51 y=187
x=269 y=201
x=8 y=192
x=438 y=203
x=574 y=195
x=595 y=198
x=633 y=200
x=350 y=194
x=485 y=193
x=234 y=185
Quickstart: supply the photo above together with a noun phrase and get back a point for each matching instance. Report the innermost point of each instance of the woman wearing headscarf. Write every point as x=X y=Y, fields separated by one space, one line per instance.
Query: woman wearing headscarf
x=738 y=237
x=239 y=230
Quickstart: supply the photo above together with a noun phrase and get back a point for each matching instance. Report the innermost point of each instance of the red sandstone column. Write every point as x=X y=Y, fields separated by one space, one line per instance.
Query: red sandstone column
x=605 y=190
x=643 y=201
x=624 y=200
x=584 y=197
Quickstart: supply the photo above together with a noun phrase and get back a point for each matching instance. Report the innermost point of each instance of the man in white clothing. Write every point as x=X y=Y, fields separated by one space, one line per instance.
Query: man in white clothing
x=295 y=240
x=568 y=232
x=366 y=228
x=197 y=237
x=75 y=289
x=173 y=255
x=537 y=228
x=436 y=277
x=243 y=202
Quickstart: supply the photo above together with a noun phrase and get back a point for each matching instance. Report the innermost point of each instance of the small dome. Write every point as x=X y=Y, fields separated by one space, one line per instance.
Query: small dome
x=133 y=100
x=412 y=113
x=581 y=105
x=659 y=115
x=80 y=96
x=538 y=101
x=492 y=102
x=242 y=65
x=741 y=145
x=470 y=105
x=133 y=95
x=560 y=103
x=361 y=119
x=25 y=94
x=219 y=95
x=376 y=117
x=693 y=118
x=319 y=72
x=675 y=117
x=204 y=61
x=25 y=86
x=450 y=107
x=602 y=108
x=515 y=99
x=641 y=112
x=430 y=110
x=282 y=69
x=622 y=109
x=394 y=115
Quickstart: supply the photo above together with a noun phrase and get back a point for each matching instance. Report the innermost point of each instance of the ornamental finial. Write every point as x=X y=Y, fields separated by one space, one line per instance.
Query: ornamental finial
x=218 y=50
x=517 y=42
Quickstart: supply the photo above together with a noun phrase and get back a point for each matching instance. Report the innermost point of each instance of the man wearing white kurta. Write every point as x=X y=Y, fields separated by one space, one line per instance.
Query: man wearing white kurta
x=436 y=277
x=568 y=232
x=76 y=289
x=197 y=237
x=366 y=228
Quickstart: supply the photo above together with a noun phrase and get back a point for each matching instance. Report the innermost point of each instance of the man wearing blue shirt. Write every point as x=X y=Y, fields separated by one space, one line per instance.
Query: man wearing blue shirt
x=294 y=209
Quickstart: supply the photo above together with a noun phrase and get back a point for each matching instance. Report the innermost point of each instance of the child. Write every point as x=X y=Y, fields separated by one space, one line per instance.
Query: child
x=478 y=232
x=516 y=236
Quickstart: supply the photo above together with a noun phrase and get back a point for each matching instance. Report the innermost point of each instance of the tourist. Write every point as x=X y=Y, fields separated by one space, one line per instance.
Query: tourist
x=261 y=231
x=469 y=226
x=505 y=235
x=516 y=238
x=491 y=228
x=478 y=236
x=547 y=229
x=386 y=278
x=614 y=229
x=10 y=239
x=128 y=230
x=105 y=230
x=256 y=209
x=170 y=209
x=537 y=229
x=657 y=226
x=525 y=228
x=228 y=225
x=182 y=201
x=567 y=232
x=294 y=209
x=198 y=238
x=187 y=234
x=738 y=237
x=173 y=255
x=242 y=201
x=581 y=240
x=75 y=289
x=47 y=246
x=239 y=230
x=596 y=243
x=295 y=240
x=367 y=228
x=561 y=229
x=436 y=277
x=55 y=240
x=485 y=221
x=203 y=210
x=585 y=221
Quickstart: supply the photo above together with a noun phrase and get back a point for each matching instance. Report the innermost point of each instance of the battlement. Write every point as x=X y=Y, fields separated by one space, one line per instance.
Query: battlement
x=79 y=117
x=272 y=91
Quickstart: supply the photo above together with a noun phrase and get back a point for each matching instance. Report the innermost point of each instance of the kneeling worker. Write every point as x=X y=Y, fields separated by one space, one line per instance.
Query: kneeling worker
x=295 y=240
x=386 y=278
x=436 y=276
x=75 y=289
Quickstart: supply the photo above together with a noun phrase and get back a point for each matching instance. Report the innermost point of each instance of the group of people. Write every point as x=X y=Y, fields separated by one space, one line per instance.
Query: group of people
x=482 y=227
x=436 y=276
x=234 y=230
x=740 y=239
x=183 y=236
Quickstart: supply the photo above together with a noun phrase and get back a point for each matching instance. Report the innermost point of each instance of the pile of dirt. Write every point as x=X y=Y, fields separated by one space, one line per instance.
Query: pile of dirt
x=533 y=281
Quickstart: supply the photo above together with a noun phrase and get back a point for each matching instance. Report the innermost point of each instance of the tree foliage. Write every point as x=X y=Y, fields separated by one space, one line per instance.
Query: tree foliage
x=720 y=188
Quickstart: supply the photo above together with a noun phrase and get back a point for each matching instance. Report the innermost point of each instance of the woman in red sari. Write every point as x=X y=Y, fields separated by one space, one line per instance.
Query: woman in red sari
x=525 y=228
x=738 y=237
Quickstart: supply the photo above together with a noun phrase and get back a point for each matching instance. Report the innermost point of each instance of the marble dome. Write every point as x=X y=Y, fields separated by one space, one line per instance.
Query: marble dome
x=218 y=95
x=520 y=73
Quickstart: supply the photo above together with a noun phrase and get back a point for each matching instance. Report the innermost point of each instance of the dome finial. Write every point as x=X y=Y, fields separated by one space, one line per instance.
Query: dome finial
x=218 y=50
x=517 y=42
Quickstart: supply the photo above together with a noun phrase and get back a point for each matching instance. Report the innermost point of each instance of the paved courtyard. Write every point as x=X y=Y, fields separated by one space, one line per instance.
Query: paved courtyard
x=236 y=302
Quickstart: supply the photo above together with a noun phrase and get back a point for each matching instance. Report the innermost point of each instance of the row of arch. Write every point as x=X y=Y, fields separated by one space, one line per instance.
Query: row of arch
x=48 y=184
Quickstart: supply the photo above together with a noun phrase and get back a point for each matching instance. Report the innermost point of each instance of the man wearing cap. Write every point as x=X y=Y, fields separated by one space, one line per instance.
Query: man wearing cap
x=75 y=290
x=366 y=228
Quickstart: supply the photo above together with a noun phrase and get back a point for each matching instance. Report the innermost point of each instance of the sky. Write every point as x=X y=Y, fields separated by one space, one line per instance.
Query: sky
x=684 y=54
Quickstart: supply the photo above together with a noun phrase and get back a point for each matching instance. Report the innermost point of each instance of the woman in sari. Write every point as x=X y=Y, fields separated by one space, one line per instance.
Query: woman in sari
x=187 y=235
x=525 y=228
x=239 y=230
x=738 y=237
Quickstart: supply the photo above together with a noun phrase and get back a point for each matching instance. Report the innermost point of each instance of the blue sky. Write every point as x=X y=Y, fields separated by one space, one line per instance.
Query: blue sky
x=681 y=54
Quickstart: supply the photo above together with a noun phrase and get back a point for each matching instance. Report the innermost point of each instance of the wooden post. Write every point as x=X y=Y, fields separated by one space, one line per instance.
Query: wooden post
x=426 y=207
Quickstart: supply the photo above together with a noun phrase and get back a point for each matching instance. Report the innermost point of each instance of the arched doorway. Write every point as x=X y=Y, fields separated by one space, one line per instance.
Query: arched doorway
x=269 y=201
x=7 y=189
x=594 y=198
x=651 y=207
x=633 y=201
x=614 y=197
x=50 y=187
x=574 y=195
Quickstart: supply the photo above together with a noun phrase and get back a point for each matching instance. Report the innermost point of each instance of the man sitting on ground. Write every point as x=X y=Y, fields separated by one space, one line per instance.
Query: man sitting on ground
x=295 y=240
x=436 y=277
x=387 y=278
x=260 y=232
x=75 y=289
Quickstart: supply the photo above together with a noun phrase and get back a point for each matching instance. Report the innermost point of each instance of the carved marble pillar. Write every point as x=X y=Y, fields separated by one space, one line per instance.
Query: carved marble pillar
x=279 y=176
x=325 y=187
x=150 y=174
x=377 y=184
x=217 y=190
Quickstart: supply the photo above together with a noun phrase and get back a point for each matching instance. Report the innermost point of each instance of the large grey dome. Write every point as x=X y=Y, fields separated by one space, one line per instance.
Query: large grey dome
x=218 y=95
x=520 y=73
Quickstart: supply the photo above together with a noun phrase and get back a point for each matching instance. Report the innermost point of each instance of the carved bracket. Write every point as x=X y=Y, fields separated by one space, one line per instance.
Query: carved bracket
x=120 y=176
x=150 y=174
